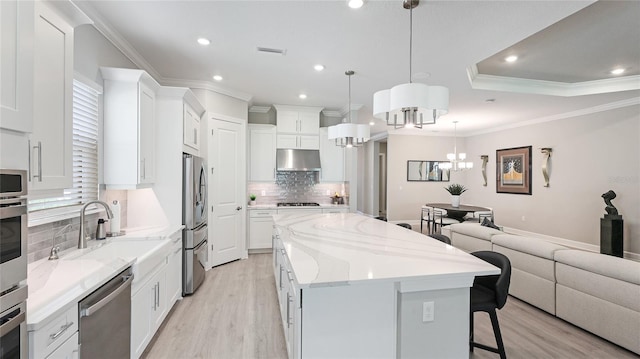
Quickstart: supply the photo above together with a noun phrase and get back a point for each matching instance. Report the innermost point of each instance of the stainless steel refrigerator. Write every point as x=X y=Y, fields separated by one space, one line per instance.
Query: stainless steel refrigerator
x=194 y=218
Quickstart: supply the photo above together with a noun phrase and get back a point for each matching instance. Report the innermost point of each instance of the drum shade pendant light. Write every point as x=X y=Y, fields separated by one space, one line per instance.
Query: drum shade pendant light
x=456 y=160
x=349 y=134
x=411 y=104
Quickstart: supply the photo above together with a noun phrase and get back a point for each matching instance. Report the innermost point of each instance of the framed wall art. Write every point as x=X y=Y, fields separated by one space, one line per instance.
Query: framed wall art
x=513 y=170
x=426 y=171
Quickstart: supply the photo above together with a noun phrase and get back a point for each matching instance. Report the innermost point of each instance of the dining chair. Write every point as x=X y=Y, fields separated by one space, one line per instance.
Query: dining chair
x=439 y=218
x=479 y=216
x=441 y=237
x=405 y=225
x=488 y=294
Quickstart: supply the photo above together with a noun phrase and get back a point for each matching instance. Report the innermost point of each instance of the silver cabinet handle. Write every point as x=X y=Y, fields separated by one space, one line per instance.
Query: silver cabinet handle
x=39 y=175
x=86 y=312
x=158 y=296
x=63 y=329
x=155 y=293
x=280 y=278
x=289 y=276
x=29 y=144
x=288 y=309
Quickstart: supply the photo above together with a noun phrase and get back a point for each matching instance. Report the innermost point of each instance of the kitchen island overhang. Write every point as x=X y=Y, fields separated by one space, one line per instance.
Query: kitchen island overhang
x=352 y=286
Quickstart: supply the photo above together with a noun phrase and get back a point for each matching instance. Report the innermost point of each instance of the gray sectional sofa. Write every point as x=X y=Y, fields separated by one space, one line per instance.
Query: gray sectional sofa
x=596 y=292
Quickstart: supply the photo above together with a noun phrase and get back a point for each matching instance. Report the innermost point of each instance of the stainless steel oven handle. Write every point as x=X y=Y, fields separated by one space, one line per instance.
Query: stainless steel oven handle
x=104 y=301
x=12 y=324
x=63 y=329
x=29 y=144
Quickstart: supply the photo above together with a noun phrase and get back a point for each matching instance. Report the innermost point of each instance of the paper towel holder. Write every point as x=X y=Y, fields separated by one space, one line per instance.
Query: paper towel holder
x=116 y=213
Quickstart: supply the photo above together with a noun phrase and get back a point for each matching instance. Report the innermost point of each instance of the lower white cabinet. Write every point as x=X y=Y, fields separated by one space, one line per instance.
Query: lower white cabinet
x=55 y=339
x=174 y=271
x=260 y=228
x=68 y=350
x=288 y=299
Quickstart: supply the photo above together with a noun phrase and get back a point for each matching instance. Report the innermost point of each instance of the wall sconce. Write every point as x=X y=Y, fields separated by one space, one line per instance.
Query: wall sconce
x=485 y=159
x=546 y=151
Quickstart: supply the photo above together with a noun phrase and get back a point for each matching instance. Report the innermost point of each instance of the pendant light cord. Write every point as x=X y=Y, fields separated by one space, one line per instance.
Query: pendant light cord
x=349 y=109
x=410 y=37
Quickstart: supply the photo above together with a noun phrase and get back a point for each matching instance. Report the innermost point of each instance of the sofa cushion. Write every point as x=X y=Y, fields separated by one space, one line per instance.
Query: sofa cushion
x=529 y=245
x=474 y=230
x=614 y=267
x=537 y=266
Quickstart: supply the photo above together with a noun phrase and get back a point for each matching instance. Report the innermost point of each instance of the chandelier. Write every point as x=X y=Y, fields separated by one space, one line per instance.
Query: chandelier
x=349 y=134
x=411 y=104
x=456 y=160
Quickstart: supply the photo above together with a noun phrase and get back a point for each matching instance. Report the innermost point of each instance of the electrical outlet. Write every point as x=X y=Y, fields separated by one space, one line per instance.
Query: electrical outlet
x=263 y=193
x=328 y=192
x=428 y=309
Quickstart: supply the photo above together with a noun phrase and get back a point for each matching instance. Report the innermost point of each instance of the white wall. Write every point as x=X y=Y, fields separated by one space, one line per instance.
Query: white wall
x=591 y=155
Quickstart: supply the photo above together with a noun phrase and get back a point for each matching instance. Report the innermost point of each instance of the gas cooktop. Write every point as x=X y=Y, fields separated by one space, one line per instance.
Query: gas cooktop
x=298 y=204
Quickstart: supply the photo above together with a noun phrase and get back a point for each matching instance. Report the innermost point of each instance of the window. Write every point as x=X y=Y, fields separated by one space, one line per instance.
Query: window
x=85 y=152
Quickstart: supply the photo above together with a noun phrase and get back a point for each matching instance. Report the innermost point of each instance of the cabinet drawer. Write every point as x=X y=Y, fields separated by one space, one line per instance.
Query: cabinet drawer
x=46 y=340
x=262 y=213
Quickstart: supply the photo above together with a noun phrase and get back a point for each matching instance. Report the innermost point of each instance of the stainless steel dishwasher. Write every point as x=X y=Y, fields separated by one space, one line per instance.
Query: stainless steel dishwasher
x=105 y=320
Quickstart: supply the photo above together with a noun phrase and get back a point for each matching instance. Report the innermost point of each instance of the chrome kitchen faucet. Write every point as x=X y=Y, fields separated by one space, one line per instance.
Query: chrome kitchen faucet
x=82 y=239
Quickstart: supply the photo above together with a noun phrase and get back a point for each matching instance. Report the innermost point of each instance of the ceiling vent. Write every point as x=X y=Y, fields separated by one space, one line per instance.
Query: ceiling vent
x=272 y=51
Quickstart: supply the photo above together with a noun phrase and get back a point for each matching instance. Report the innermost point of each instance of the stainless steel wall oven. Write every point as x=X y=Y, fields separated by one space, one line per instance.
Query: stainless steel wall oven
x=13 y=264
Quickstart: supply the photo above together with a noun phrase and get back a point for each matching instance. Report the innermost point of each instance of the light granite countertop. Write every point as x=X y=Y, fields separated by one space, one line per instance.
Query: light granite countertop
x=55 y=286
x=348 y=248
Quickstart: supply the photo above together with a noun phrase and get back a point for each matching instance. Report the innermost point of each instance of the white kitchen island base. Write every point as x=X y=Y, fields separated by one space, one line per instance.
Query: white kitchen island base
x=353 y=287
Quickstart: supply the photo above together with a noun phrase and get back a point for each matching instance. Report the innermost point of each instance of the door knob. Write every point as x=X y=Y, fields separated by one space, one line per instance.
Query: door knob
x=238 y=208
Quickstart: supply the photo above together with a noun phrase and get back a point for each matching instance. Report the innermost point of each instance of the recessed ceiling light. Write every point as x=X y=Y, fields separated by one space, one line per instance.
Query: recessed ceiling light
x=355 y=4
x=204 y=42
x=511 y=58
x=217 y=78
x=372 y=123
x=617 y=71
x=302 y=96
x=318 y=67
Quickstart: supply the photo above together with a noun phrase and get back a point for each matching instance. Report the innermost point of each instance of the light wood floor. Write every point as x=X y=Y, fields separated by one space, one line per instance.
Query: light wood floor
x=234 y=314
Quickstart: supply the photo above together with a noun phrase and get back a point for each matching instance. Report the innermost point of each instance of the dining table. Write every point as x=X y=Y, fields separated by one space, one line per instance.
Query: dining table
x=459 y=212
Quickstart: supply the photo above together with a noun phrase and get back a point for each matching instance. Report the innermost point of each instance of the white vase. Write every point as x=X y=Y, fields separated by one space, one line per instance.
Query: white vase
x=455 y=201
x=252 y=203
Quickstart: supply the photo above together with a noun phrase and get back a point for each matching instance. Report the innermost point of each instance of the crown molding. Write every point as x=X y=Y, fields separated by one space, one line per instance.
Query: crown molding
x=331 y=113
x=634 y=101
x=130 y=52
x=480 y=81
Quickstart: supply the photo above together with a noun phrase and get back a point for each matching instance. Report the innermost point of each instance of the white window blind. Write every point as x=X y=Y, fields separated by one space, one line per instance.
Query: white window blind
x=85 y=152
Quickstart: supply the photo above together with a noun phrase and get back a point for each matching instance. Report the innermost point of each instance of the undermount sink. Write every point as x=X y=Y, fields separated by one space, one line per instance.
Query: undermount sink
x=149 y=253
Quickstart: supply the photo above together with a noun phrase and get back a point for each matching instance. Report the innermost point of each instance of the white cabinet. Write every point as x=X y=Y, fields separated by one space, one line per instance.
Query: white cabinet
x=55 y=339
x=68 y=350
x=300 y=211
x=191 y=125
x=262 y=152
x=260 y=228
x=129 y=128
x=289 y=300
x=16 y=65
x=51 y=142
x=297 y=127
x=174 y=270
x=332 y=159
x=148 y=309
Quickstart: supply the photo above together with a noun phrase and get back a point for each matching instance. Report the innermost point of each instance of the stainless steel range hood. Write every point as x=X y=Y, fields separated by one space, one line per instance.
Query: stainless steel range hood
x=297 y=160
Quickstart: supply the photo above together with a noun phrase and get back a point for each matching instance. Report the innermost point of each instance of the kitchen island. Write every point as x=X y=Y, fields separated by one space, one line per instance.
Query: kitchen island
x=350 y=286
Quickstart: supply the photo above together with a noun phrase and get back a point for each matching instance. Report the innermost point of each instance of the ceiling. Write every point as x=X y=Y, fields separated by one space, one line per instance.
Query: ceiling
x=566 y=49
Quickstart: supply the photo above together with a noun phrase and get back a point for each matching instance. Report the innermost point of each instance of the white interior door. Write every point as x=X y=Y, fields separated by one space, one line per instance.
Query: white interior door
x=227 y=161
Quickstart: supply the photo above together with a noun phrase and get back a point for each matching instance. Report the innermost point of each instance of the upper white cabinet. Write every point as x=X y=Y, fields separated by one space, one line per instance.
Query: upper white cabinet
x=16 y=65
x=191 y=128
x=129 y=128
x=332 y=159
x=297 y=127
x=51 y=142
x=262 y=152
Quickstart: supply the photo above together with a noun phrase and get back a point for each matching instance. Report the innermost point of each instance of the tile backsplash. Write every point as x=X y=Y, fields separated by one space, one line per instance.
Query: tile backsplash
x=296 y=186
x=40 y=238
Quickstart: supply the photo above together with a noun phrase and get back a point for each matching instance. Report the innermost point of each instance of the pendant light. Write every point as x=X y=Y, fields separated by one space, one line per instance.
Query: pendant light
x=456 y=160
x=349 y=134
x=411 y=104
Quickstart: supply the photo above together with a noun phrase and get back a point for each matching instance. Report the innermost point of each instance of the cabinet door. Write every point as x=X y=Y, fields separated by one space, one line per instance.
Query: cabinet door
x=146 y=134
x=260 y=233
x=331 y=159
x=287 y=141
x=174 y=276
x=287 y=121
x=307 y=142
x=16 y=65
x=68 y=350
x=262 y=153
x=309 y=123
x=142 y=305
x=51 y=142
x=191 y=131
